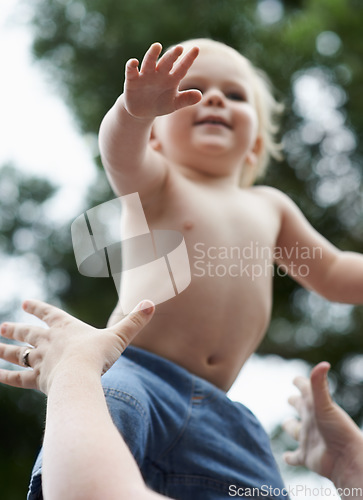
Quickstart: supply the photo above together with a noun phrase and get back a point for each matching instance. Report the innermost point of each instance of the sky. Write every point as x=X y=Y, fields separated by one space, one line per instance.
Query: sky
x=39 y=136
x=37 y=132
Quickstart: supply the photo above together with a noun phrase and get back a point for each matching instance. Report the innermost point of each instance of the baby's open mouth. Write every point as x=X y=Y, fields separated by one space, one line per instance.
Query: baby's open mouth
x=213 y=120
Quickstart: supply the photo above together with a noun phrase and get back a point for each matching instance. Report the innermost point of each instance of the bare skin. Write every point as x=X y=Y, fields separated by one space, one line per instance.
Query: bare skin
x=179 y=135
x=81 y=447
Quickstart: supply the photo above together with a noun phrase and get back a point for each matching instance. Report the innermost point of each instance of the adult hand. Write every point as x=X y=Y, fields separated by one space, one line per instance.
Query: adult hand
x=329 y=441
x=67 y=343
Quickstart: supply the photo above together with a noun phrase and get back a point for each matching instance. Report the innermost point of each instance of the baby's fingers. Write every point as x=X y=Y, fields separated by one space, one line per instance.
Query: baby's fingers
x=187 y=98
x=25 y=379
x=132 y=69
x=182 y=66
x=150 y=58
x=167 y=61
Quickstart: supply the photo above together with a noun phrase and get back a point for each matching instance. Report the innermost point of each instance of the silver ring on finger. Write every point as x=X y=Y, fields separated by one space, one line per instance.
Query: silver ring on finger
x=25 y=357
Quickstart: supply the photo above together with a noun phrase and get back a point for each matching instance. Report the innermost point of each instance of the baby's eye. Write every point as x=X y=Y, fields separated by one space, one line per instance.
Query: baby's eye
x=236 y=96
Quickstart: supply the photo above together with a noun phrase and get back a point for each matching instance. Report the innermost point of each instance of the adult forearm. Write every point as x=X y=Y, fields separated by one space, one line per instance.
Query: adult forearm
x=84 y=455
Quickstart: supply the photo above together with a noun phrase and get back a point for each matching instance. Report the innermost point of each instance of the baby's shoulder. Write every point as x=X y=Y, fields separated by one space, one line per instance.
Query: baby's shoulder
x=272 y=200
x=265 y=193
x=271 y=195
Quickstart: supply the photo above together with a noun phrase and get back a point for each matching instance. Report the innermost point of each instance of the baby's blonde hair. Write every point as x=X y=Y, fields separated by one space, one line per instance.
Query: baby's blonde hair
x=267 y=107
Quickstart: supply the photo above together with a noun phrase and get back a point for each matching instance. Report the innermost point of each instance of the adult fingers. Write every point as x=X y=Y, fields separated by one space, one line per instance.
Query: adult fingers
x=320 y=388
x=24 y=379
x=294 y=457
x=293 y=428
x=295 y=401
x=14 y=354
x=46 y=312
x=303 y=384
x=22 y=332
x=132 y=324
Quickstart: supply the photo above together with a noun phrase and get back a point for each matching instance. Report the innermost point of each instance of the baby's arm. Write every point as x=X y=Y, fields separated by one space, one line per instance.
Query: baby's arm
x=311 y=259
x=329 y=441
x=130 y=162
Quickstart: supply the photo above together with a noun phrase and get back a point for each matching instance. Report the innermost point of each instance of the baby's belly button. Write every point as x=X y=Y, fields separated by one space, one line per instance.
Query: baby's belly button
x=213 y=359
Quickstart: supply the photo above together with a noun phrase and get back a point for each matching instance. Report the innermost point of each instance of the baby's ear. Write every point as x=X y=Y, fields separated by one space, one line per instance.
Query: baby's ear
x=250 y=167
x=253 y=155
x=154 y=141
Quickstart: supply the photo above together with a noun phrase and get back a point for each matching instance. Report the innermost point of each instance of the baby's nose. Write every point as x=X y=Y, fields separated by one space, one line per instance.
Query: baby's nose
x=214 y=97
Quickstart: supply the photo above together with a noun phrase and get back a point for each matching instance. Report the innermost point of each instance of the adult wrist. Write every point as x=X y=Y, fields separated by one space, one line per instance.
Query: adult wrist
x=348 y=470
x=71 y=372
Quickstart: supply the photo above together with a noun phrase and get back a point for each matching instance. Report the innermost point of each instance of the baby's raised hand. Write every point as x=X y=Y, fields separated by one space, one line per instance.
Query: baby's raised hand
x=153 y=90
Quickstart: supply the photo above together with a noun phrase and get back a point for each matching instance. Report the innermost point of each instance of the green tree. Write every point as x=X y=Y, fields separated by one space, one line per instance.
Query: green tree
x=23 y=231
x=312 y=51
x=40 y=247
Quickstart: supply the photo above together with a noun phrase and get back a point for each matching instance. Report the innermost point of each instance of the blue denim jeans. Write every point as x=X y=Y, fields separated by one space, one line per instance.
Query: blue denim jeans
x=189 y=439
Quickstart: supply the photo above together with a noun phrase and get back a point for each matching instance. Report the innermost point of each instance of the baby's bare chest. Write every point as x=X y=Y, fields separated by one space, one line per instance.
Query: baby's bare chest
x=218 y=225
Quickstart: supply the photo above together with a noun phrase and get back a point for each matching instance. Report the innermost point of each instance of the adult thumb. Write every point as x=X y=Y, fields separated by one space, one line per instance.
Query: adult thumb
x=134 y=322
x=320 y=388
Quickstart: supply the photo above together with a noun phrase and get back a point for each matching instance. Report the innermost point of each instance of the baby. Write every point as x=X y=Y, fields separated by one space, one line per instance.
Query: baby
x=191 y=132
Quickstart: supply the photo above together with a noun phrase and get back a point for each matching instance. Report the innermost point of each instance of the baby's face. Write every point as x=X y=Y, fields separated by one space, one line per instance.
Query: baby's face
x=218 y=134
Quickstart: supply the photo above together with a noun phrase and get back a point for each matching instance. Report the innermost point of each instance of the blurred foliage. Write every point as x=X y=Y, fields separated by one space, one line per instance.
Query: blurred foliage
x=21 y=421
x=312 y=51
x=33 y=245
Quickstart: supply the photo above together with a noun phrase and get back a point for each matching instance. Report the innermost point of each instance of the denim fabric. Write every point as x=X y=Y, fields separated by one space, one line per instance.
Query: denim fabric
x=189 y=439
